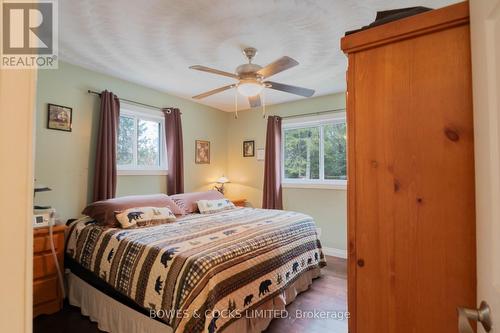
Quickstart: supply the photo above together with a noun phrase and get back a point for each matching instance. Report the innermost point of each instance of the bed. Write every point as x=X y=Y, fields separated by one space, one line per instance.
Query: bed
x=201 y=273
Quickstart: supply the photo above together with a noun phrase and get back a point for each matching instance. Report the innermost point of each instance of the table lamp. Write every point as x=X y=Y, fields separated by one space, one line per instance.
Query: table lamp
x=222 y=180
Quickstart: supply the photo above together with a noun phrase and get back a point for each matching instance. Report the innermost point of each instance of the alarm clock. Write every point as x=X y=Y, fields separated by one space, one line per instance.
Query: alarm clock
x=42 y=218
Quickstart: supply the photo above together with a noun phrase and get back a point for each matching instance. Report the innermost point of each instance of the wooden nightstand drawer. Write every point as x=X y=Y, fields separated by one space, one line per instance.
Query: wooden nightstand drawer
x=44 y=265
x=239 y=202
x=45 y=291
x=42 y=244
x=47 y=296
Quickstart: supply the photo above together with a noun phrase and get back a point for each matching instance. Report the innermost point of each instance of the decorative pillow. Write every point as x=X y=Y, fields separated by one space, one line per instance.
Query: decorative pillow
x=144 y=216
x=214 y=206
x=104 y=211
x=188 y=201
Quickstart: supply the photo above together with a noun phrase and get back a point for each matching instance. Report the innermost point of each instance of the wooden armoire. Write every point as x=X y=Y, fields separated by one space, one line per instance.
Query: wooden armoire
x=411 y=210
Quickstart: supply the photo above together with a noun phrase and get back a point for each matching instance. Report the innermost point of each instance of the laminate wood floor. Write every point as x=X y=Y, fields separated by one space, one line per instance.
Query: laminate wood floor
x=327 y=295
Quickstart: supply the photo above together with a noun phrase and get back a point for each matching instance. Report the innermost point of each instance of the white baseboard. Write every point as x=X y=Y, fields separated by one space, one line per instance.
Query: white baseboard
x=330 y=251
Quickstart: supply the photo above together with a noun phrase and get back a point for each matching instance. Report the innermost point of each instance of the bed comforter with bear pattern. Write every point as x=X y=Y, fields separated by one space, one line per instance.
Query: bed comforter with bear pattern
x=189 y=272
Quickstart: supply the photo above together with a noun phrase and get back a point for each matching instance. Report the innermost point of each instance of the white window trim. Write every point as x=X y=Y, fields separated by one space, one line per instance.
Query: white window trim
x=142 y=172
x=138 y=112
x=326 y=185
x=304 y=122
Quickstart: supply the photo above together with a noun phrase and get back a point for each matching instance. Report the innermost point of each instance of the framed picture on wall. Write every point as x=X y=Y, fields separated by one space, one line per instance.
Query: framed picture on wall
x=249 y=148
x=202 y=152
x=261 y=154
x=59 y=117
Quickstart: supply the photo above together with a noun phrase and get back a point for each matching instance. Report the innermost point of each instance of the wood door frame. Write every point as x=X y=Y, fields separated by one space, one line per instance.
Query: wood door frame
x=18 y=90
x=485 y=16
x=17 y=102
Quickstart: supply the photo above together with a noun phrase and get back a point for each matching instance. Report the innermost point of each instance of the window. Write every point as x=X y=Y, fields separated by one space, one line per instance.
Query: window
x=314 y=152
x=141 y=142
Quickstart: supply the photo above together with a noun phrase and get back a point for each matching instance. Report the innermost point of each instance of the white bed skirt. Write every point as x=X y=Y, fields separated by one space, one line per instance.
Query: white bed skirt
x=115 y=317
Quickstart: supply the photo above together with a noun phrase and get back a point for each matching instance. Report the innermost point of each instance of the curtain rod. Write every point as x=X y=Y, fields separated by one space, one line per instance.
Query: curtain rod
x=313 y=113
x=130 y=101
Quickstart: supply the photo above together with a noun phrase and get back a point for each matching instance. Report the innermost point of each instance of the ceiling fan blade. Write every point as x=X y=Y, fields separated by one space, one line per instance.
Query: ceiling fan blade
x=215 y=91
x=213 y=71
x=254 y=101
x=279 y=65
x=290 y=89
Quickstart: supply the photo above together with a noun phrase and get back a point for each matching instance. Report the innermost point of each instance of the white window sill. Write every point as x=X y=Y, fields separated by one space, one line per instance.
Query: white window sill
x=321 y=186
x=142 y=172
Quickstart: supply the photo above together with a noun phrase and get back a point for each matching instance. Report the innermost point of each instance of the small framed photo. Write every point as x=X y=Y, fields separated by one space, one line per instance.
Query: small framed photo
x=59 y=117
x=248 y=148
x=202 y=152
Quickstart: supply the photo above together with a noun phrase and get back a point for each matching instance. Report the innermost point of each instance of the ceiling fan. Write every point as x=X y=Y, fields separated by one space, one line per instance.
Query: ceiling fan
x=251 y=78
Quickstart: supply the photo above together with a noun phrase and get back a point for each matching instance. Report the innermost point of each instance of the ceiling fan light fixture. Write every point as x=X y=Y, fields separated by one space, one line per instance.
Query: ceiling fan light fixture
x=251 y=88
x=252 y=79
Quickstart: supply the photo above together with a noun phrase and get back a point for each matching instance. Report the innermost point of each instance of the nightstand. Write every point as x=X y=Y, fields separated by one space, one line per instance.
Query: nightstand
x=47 y=296
x=239 y=202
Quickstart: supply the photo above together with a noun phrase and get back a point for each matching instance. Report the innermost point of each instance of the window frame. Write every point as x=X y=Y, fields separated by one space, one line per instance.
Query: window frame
x=312 y=121
x=143 y=113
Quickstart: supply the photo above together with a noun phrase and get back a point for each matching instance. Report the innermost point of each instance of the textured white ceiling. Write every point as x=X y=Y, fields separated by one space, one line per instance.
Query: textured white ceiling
x=153 y=42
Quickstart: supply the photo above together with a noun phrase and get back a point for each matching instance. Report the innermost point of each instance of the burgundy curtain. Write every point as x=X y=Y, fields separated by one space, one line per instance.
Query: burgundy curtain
x=272 y=169
x=173 y=133
x=105 y=161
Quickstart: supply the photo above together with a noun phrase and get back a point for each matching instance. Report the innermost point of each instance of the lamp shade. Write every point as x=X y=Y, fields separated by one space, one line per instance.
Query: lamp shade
x=222 y=180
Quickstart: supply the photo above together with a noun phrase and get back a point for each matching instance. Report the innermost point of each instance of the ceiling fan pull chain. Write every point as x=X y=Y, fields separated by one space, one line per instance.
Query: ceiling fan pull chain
x=236 y=104
x=263 y=104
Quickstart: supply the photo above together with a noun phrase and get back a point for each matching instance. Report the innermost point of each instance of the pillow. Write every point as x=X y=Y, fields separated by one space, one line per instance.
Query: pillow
x=214 y=206
x=104 y=211
x=187 y=201
x=144 y=216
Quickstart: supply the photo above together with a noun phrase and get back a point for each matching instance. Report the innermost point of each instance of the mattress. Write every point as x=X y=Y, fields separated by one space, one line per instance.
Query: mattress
x=204 y=271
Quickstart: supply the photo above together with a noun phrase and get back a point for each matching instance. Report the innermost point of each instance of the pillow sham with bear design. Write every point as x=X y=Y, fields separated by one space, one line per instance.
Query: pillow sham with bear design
x=104 y=211
x=214 y=206
x=144 y=216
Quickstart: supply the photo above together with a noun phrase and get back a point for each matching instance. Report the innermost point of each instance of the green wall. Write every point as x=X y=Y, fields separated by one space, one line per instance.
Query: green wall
x=328 y=207
x=65 y=160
